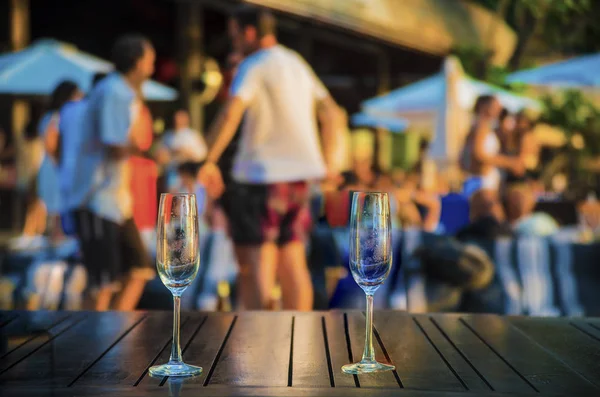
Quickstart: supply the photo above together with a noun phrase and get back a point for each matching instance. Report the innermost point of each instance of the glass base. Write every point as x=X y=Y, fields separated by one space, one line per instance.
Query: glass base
x=366 y=367
x=175 y=369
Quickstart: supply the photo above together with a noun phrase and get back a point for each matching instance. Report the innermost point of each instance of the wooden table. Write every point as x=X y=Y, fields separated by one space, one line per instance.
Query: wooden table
x=297 y=354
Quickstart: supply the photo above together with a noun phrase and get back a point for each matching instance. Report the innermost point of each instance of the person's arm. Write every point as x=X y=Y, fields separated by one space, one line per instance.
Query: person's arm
x=115 y=122
x=530 y=150
x=222 y=131
x=51 y=138
x=327 y=114
x=224 y=127
x=242 y=92
x=434 y=209
x=480 y=154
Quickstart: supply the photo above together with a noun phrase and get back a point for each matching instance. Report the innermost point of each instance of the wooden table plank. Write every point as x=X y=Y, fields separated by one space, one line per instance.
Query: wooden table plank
x=338 y=349
x=124 y=364
x=463 y=368
x=30 y=332
x=7 y=317
x=263 y=353
x=22 y=329
x=543 y=371
x=66 y=357
x=257 y=352
x=573 y=347
x=178 y=387
x=587 y=327
x=205 y=347
x=193 y=323
x=418 y=364
x=490 y=366
x=310 y=367
x=356 y=330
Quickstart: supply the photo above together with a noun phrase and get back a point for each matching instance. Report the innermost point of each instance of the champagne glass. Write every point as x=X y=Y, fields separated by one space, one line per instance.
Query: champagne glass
x=370 y=263
x=177 y=260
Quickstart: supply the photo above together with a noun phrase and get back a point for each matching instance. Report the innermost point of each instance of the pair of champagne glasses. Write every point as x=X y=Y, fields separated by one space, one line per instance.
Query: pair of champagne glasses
x=178 y=260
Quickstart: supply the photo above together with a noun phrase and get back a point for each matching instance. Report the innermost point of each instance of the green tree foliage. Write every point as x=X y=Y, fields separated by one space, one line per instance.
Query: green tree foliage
x=563 y=26
x=576 y=115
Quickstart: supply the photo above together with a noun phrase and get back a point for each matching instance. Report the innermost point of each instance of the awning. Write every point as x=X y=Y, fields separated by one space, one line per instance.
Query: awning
x=432 y=26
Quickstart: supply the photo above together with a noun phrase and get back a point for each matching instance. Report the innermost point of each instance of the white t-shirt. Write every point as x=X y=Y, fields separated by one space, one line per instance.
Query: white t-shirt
x=279 y=140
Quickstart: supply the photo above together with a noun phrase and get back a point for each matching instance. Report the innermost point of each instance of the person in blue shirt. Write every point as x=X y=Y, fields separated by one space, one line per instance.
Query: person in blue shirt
x=48 y=186
x=70 y=124
x=112 y=247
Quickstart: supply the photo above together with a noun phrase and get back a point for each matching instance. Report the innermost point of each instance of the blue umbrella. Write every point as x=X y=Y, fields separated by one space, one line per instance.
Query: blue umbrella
x=38 y=69
x=393 y=124
x=582 y=71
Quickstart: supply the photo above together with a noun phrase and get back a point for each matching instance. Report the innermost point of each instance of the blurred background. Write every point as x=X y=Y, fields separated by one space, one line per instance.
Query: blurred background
x=406 y=76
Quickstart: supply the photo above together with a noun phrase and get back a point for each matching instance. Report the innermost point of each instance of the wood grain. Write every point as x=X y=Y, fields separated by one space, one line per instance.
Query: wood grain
x=356 y=329
x=543 y=371
x=464 y=370
x=123 y=364
x=417 y=362
x=492 y=368
x=574 y=348
x=67 y=356
x=338 y=349
x=257 y=352
x=298 y=354
x=309 y=366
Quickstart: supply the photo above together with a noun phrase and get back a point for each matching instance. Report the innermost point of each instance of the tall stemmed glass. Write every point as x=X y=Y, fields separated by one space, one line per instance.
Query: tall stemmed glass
x=177 y=260
x=370 y=263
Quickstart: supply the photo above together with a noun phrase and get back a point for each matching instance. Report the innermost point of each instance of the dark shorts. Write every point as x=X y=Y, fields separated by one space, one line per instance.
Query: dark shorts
x=257 y=214
x=111 y=251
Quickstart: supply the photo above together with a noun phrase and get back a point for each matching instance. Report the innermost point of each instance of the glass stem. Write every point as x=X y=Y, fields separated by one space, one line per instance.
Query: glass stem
x=369 y=353
x=175 y=346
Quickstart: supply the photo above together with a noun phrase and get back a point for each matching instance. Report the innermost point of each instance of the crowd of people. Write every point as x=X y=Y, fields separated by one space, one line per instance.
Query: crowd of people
x=88 y=164
x=502 y=158
x=89 y=168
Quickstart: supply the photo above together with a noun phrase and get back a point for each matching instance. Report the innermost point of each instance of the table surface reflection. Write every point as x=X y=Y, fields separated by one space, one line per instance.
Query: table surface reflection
x=297 y=354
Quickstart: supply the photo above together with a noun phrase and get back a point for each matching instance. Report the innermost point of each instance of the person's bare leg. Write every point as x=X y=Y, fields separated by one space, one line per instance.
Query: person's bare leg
x=294 y=277
x=257 y=273
x=35 y=220
x=103 y=299
x=130 y=295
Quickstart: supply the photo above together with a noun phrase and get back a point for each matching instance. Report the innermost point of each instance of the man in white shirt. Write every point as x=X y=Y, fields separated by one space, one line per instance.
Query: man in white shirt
x=279 y=152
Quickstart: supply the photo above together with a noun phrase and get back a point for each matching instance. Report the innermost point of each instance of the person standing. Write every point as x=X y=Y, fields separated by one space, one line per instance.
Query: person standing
x=70 y=125
x=72 y=119
x=279 y=153
x=113 y=250
x=529 y=147
x=48 y=185
x=481 y=156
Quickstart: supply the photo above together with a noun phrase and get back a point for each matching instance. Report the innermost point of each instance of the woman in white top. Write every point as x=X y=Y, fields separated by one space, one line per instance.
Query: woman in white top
x=481 y=156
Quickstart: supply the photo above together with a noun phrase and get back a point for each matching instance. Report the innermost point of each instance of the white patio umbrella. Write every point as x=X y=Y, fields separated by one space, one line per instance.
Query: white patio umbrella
x=40 y=67
x=442 y=104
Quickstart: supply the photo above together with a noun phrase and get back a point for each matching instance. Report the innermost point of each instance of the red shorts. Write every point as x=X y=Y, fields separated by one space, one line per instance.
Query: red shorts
x=277 y=212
